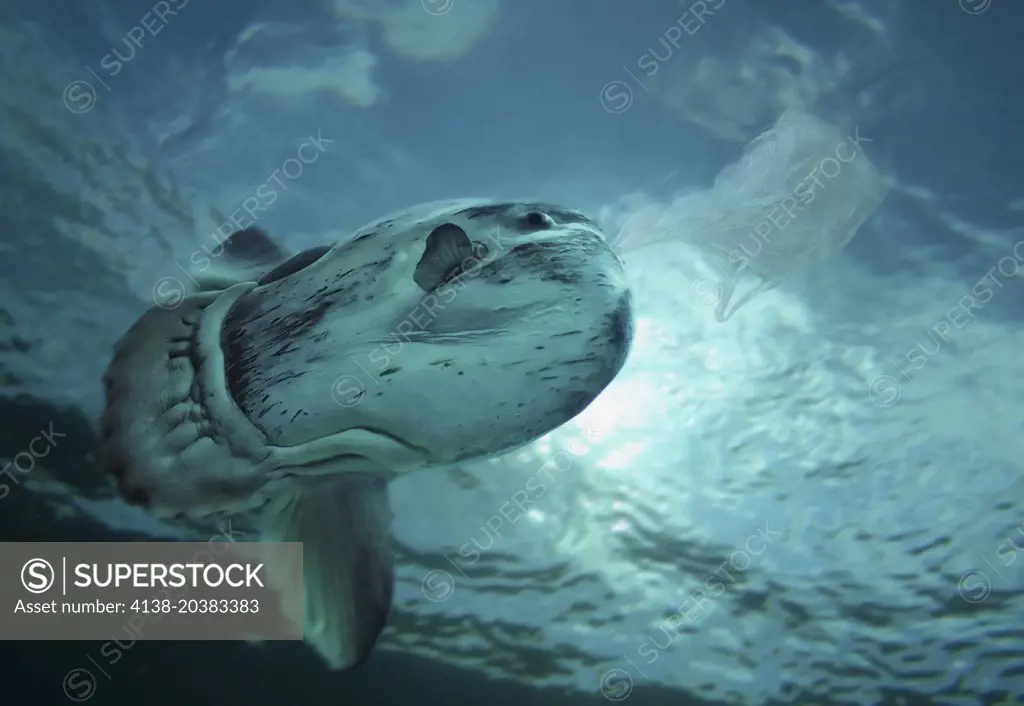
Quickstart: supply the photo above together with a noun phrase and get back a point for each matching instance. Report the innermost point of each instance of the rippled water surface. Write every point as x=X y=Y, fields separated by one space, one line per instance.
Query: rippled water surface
x=818 y=497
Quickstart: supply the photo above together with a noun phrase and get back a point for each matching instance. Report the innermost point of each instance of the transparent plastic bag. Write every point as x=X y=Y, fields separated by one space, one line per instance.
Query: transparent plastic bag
x=798 y=194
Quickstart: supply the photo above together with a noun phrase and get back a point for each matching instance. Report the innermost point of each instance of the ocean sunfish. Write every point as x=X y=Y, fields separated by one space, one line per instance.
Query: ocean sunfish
x=292 y=388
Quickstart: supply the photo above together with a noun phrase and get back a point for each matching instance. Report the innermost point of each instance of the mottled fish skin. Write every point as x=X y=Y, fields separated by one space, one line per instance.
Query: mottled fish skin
x=292 y=388
x=215 y=405
x=544 y=300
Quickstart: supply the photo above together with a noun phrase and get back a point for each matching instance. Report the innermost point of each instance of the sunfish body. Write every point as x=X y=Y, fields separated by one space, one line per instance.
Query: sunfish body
x=292 y=388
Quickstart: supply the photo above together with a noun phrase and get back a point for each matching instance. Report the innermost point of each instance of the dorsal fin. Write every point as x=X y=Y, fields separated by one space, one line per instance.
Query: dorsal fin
x=296 y=263
x=245 y=256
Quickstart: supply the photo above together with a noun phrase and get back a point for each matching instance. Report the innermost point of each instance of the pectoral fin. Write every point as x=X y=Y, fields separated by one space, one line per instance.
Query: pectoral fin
x=448 y=247
x=348 y=567
x=245 y=256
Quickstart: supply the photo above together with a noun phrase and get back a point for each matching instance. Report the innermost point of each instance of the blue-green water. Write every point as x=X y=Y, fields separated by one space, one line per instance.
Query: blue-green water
x=817 y=500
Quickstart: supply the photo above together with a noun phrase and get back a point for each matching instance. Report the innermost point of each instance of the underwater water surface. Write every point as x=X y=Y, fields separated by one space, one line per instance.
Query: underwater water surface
x=804 y=487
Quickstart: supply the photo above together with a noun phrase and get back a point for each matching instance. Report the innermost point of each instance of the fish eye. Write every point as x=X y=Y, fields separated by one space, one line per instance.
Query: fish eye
x=539 y=220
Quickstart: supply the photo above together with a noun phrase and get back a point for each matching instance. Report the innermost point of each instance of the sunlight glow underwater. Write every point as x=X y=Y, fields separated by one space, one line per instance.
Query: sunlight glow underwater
x=797 y=195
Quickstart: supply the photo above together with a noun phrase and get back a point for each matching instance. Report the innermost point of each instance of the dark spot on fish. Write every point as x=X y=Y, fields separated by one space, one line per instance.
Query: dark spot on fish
x=550 y=261
x=242 y=349
x=484 y=211
x=527 y=249
x=589 y=358
x=619 y=326
x=575 y=402
x=376 y=230
x=284 y=349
